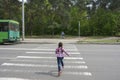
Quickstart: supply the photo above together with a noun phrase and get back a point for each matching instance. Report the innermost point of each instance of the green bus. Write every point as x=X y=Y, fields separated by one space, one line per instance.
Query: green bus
x=9 y=31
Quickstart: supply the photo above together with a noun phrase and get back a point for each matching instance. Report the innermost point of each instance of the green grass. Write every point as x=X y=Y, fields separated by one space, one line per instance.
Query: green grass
x=100 y=40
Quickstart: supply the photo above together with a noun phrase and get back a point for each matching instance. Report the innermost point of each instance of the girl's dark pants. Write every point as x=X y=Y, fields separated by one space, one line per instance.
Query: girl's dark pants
x=60 y=63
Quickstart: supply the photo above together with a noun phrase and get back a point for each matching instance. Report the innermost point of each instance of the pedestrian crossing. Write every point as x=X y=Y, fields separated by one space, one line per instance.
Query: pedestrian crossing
x=42 y=60
x=48 y=53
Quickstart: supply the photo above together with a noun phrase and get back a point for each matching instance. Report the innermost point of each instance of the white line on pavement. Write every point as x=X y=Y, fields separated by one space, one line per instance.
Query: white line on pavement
x=36 y=57
x=38 y=65
x=48 y=61
x=34 y=49
x=79 y=73
x=9 y=78
x=54 y=49
x=15 y=49
x=47 y=72
x=49 y=52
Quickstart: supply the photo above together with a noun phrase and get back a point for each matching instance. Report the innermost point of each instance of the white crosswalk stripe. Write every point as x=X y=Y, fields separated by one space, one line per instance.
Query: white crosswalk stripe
x=26 y=49
x=49 y=53
x=45 y=58
x=4 y=78
x=36 y=57
x=38 y=65
x=41 y=71
x=47 y=61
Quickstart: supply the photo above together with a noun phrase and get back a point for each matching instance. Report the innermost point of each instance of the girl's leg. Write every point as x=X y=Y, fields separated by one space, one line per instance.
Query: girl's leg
x=58 y=62
x=59 y=66
x=62 y=63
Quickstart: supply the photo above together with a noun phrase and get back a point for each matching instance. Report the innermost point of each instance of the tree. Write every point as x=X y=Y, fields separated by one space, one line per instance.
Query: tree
x=9 y=9
x=53 y=16
x=103 y=23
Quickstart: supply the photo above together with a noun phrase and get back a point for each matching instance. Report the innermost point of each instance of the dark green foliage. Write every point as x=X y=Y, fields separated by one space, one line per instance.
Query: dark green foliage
x=103 y=23
x=50 y=17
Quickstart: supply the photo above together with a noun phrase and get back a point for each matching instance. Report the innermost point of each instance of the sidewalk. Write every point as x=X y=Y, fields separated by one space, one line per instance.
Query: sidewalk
x=39 y=41
x=82 y=40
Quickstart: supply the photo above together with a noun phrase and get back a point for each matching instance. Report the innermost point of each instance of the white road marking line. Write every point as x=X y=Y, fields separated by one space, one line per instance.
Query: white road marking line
x=40 y=52
x=15 y=49
x=34 y=49
x=9 y=78
x=54 y=49
x=36 y=57
x=41 y=71
x=79 y=73
x=49 y=52
x=38 y=65
x=48 y=61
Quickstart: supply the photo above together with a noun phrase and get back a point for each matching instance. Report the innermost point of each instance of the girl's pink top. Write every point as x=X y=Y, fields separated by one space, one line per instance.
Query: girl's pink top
x=60 y=52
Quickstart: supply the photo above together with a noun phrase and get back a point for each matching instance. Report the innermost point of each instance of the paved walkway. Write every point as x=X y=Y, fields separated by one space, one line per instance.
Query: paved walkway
x=70 y=40
x=32 y=40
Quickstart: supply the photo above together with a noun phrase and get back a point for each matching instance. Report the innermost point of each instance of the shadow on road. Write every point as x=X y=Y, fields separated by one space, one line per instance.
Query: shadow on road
x=50 y=73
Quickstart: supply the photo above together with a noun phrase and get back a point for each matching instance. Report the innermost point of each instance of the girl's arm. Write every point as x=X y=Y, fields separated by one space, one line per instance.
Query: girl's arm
x=66 y=52
x=56 y=51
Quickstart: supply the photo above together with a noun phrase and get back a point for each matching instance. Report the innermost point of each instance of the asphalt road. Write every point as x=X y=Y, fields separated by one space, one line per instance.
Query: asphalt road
x=38 y=62
x=103 y=60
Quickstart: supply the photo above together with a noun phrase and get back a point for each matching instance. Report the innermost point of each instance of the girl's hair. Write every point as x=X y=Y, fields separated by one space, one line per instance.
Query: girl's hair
x=60 y=44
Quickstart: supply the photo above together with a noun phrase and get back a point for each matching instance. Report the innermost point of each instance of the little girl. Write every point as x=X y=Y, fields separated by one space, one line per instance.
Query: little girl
x=60 y=56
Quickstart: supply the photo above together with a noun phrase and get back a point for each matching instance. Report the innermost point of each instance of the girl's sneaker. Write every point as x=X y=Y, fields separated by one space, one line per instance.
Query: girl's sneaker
x=62 y=67
x=59 y=73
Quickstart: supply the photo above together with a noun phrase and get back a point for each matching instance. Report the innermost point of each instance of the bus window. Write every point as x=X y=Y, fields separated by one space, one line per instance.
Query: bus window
x=11 y=27
x=16 y=27
x=3 y=26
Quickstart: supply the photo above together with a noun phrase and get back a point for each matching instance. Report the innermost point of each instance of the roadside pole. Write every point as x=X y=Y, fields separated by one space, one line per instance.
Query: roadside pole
x=23 y=27
x=79 y=29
